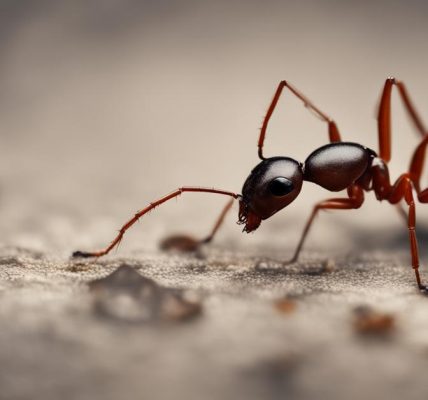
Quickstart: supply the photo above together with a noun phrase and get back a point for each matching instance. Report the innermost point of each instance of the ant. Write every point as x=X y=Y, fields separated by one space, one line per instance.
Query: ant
x=275 y=182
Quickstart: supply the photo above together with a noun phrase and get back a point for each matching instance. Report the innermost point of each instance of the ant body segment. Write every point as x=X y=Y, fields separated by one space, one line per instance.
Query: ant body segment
x=275 y=182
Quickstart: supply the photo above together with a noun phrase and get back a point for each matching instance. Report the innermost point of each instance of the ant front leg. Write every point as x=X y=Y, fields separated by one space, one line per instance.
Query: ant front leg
x=355 y=200
x=219 y=222
x=187 y=243
x=333 y=131
x=144 y=211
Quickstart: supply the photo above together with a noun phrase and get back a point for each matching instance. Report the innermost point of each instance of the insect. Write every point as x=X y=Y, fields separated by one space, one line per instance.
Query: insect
x=275 y=182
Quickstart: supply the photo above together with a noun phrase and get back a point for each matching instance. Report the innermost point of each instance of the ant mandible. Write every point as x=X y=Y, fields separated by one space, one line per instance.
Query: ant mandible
x=275 y=182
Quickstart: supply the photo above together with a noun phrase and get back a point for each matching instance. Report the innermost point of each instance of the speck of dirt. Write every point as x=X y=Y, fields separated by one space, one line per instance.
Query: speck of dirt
x=370 y=322
x=285 y=306
x=181 y=243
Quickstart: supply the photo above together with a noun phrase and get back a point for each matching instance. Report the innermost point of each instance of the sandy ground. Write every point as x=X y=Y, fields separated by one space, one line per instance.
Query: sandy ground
x=263 y=331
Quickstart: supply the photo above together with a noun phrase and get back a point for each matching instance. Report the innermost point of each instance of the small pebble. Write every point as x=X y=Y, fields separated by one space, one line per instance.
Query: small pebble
x=370 y=322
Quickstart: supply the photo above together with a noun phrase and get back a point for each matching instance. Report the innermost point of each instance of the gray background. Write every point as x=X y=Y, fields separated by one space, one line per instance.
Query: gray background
x=105 y=106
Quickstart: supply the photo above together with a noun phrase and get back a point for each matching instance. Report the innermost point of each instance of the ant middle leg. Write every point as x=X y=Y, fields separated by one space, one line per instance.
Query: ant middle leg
x=333 y=131
x=384 y=116
x=355 y=200
x=186 y=243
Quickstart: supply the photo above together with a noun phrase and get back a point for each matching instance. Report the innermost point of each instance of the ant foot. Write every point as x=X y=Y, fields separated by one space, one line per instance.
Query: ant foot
x=182 y=243
x=293 y=260
x=423 y=289
x=81 y=254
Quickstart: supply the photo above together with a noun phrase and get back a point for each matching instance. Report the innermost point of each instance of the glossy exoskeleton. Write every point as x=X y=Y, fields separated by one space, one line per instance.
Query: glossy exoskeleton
x=275 y=182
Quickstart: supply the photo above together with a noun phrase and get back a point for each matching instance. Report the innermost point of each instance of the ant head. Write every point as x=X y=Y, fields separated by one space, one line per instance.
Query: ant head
x=272 y=185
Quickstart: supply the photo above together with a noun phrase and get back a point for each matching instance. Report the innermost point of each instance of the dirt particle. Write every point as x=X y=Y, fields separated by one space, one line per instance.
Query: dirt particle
x=367 y=321
x=182 y=243
x=285 y=306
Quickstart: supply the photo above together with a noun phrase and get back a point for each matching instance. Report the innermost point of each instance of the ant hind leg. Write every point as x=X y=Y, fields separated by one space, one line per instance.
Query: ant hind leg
x=384 y=116
x=403 y=188
x=416 y=168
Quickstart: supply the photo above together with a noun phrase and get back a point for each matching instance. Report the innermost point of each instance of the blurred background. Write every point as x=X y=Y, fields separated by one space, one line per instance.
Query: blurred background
x=108 y=105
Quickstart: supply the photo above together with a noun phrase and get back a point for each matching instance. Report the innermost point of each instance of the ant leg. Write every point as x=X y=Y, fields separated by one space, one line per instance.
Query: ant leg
x=355 y=200
x=333 y=131
x=404 y=188
x=416 y=166
x=145 y=210
x=219 y=221
x=188 y=243
x=384 y=116
x=417 y=163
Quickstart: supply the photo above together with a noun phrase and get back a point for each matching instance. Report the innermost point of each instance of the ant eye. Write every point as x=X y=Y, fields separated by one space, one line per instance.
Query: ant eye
x=280 y=186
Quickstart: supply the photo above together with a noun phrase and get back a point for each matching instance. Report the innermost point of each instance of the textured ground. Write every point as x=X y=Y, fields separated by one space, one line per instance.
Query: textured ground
x=264 y=331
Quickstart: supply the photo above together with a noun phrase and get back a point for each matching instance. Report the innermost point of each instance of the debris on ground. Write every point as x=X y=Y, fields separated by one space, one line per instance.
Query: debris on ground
x=182 y=243
x=368 y=321
x=127 y=296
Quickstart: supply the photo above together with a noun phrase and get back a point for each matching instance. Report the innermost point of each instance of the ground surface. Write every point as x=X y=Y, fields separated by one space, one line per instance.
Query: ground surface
x=55 y=342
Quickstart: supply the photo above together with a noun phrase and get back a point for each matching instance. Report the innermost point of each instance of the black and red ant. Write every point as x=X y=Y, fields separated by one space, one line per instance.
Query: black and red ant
x=275 y=182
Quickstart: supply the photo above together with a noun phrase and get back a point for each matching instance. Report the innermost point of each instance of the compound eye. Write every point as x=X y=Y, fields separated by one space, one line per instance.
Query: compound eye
x=280 y=186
